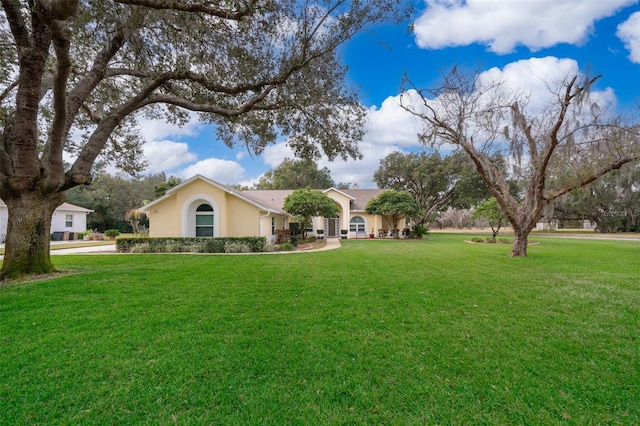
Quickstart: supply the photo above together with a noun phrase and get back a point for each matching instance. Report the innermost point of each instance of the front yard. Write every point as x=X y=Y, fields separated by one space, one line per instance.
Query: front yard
x=376 y=332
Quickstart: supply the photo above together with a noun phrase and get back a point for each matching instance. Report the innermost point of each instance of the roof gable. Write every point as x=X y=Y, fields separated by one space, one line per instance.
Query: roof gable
x=229 y=190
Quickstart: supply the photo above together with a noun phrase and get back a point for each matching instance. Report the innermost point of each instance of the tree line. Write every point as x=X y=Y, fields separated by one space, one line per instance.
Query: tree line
x=447 y=190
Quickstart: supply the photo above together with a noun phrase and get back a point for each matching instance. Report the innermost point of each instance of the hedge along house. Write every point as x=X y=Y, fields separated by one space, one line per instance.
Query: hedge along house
x=204 y=207
x=66 y=221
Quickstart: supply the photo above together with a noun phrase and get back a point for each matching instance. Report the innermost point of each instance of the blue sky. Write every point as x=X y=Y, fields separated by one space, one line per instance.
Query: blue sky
x=515 y=39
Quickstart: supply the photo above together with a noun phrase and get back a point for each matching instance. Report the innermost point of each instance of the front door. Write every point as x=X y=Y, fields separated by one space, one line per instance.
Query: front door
x=332 y=225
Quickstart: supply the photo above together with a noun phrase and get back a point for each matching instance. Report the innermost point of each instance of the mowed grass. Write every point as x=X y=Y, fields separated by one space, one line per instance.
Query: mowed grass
x=377 y=332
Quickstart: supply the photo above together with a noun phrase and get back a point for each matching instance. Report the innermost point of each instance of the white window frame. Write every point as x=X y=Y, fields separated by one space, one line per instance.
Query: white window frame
x=357 y=227
x=205 y=213
x=189 y=215
x=68 y=221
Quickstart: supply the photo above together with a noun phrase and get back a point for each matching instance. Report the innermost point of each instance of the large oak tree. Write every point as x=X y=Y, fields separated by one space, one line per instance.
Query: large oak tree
x=435 y=181
x=552 y=148
x=76 y=75
x=296 y=174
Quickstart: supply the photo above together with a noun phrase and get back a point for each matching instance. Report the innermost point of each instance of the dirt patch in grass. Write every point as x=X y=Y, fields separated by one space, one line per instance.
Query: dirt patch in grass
x=311 y=246
x=498 y=241
x=27 y=279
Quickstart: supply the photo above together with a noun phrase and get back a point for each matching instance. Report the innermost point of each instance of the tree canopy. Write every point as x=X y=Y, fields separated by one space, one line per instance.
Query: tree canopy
x=112 y=197
x=160 y=189
x=77 y=75
x=553 y=146
x=612 y=202
x=295 y=174
x=306 y=203
x=435 y=181
x=395 y=205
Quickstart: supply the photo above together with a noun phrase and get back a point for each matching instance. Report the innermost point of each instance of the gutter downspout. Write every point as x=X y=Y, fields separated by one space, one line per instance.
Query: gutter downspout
x=260 y=222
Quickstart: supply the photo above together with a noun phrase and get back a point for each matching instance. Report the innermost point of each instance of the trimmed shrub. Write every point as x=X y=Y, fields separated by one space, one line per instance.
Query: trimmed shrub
x=177 y=247
x=112 y=232
x=140 y=248
x=178 y=244
x=271 y=248
x=214 y=246
x=237 y=247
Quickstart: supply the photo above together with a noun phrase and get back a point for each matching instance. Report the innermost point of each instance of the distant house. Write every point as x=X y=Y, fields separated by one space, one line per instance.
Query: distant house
x=204 y=207
x=66 y=218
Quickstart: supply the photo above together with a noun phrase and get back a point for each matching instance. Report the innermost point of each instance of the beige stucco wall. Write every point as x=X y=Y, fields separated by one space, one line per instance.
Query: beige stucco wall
x=241 y=218
x=164 y=219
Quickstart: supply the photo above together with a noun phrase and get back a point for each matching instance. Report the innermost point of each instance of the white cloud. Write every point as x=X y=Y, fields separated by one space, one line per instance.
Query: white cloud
x=156 y=130
x=273 y=155
x=166 y=155
x=359 y=171
x=223 y=171
x=537 y=83
x=540 y=78
x=391 y=125
x=503 y=25
x=629 y=33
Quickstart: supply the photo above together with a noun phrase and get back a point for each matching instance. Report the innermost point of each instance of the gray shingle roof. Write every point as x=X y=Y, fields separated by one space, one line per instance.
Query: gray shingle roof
x=274 y=198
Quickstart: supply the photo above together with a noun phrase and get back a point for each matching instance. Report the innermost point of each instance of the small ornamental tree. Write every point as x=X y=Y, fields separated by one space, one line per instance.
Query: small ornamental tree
x=306 y=204
x=491 y=211
x=394 y=205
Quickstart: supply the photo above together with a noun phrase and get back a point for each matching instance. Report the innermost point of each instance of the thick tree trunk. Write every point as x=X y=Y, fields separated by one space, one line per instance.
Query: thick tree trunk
x=28 y=234
x=520 y=242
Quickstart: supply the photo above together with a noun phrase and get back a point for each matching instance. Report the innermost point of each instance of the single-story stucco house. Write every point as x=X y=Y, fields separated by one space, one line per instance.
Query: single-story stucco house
x=204 y=207
x=67 y=218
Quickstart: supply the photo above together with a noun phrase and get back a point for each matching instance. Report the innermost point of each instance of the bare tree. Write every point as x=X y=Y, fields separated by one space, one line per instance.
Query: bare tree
x=554 y=149
x=75 y=75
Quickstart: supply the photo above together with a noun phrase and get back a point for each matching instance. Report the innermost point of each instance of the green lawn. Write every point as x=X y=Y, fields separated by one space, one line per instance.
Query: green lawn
x=377 y=332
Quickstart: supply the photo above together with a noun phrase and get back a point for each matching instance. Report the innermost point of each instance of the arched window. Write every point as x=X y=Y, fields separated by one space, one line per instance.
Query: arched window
x=204 y=221
x=357 y=224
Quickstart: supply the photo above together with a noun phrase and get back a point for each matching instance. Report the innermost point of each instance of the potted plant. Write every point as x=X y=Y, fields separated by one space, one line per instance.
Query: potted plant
x=112 y=233
x=344 y=233
x=372 y=235
x=320 y=233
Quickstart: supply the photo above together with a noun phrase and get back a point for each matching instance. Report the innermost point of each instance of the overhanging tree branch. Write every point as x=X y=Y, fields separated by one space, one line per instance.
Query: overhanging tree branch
x=235 y=15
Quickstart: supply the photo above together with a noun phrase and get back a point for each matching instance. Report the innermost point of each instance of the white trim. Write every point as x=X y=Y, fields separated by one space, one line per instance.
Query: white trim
x=189 y=215
x=213 y=183
x=339 y=192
